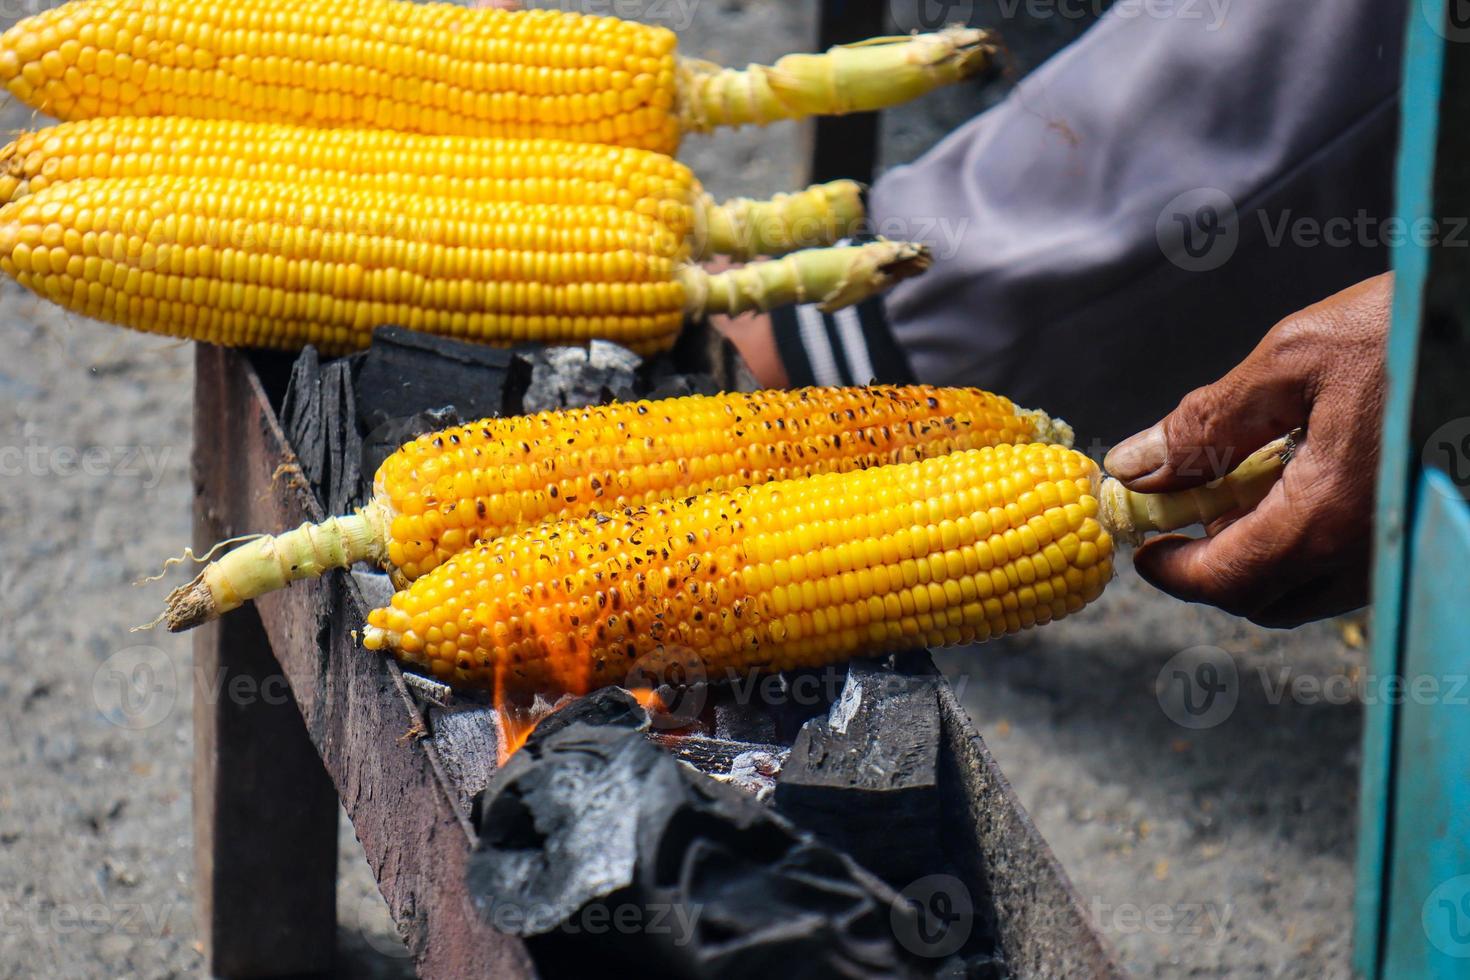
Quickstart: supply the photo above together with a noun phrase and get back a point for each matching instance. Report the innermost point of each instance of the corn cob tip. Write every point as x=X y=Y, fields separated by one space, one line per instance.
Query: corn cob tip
x=1046 y=428
x=967 y=50
x=876 y=268
x=189 y=606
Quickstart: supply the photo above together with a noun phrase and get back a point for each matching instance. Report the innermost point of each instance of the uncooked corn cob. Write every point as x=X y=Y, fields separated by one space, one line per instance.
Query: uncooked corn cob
x=471 y=168
x=446 y=491
x=442 y=68
x=280 y=265
x=799 y=573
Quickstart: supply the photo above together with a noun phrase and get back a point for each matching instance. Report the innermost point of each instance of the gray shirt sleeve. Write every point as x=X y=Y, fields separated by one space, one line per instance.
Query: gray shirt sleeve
x=1141 y=209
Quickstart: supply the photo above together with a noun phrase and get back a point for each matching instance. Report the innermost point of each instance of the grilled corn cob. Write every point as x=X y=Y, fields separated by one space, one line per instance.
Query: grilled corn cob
x=799 y=573
x=446 y=491
x=262 y=264
x=470 y=168
x=441 y=68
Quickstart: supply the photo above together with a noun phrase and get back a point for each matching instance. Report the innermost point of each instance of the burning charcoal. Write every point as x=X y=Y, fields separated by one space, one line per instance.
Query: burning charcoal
x=301 y=415
x=570 y=377
x=866 y=778
x=405 y=372
x=610 y=707
x=611 y=857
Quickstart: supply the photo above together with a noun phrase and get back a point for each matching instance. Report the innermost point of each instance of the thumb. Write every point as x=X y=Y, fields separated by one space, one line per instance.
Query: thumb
x=1215 y=427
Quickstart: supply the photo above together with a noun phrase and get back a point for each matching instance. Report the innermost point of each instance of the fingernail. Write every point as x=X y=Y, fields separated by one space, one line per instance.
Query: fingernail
x=1138 y=455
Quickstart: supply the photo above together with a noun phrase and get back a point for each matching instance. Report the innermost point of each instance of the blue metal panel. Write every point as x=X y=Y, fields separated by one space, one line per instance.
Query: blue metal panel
x=1428 y=921
x=1419 y=132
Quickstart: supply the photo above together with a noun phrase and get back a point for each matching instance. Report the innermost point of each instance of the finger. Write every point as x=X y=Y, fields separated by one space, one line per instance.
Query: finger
x=1262 y=555
x=1323 y=598
x=1217 y=426
x=1242 y=567
x=1196 y=570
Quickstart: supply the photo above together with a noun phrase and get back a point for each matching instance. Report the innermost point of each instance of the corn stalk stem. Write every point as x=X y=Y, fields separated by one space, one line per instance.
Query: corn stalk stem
x=833 y=277
x=744 y=228
x=862 y=77
x=273 y=562
x=1129 y=514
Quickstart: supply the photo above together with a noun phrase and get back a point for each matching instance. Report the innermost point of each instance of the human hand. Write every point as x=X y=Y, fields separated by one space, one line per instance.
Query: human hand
x=1303 y=552
x=753 y=336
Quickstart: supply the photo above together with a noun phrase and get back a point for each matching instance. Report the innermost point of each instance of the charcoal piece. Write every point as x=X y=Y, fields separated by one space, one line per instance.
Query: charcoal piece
x=866 y=778
x=611 y=857
x=385 y=440
x=405 y=372
x=741 y=718
x=682 y=385
x=610 y=706
x=301 y=415
x=700 y=351
x=342 y=481
x=571 y=377
x=721 y=756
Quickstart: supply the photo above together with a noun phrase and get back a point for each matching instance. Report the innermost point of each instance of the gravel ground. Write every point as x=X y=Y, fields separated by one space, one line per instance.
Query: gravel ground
x=1223 y=850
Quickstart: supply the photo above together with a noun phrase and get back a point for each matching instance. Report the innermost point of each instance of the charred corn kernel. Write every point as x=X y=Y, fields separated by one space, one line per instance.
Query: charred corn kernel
x=479 y=169
x=282 y=264
x=446 y=491
x=441 y=68
x=554 y=608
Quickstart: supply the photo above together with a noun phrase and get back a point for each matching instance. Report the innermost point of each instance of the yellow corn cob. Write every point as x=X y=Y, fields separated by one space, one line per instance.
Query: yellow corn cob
x=441 y=68
x=446 y=491
x=799 y=573
x=262 y=264
x=481 y=169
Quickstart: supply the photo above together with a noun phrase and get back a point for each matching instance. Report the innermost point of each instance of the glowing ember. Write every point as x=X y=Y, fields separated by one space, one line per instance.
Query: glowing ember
x=514 y=723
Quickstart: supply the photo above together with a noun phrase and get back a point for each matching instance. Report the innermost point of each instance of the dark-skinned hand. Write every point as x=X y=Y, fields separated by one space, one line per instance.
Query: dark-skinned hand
x=1303 y=552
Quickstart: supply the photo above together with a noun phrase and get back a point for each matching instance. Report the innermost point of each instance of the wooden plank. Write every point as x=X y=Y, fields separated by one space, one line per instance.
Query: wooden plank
x=358 y=714
x=1038 y=920
x=265 y=813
